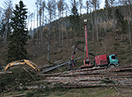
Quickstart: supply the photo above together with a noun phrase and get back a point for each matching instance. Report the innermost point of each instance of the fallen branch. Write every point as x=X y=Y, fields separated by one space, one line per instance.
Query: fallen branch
x=28 y=72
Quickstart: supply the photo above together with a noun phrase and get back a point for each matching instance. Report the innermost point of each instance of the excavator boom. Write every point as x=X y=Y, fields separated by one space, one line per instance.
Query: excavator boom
x=21 y=62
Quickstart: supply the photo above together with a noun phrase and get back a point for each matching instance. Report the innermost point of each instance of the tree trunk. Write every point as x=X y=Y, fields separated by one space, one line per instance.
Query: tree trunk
x=48 y=56
x=62 y=33
x=92 y=25
x=6 y=32
x=59 y=33
x=96 y=24
x=5 y=38
x=129 y=26
x=48 y=48
x=37 y=27
x=130 y=40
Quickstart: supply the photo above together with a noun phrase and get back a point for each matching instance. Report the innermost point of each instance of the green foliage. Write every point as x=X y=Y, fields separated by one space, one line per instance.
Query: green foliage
x=19 y=34
x=2 y=28
x=74 y=11
x=75 y=19
x=30 y=94
x=121 y=23
x=110 y=13
x=107 y=5
x=58 y=87
x=19 y=77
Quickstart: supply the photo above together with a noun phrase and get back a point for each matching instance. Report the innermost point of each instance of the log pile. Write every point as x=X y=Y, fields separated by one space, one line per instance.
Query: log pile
x=92 y=77
x=5 y=72
x=45 y=70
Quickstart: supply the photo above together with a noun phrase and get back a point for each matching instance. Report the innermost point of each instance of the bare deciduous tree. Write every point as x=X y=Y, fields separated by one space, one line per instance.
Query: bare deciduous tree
x=31 y=15
x=95 y=4
x=54 y=5
x=7 y=16
x=66 y=9
x=37 y=5
x=43 y=10
x=112 y=3
x=50 y=10
x=107 y=6
x=80 y=5
x=130 y=22
x=74 y=3
x=40 y=12
x=128 y=3
x=37 y=11
x=87 y=6
x=60 y=7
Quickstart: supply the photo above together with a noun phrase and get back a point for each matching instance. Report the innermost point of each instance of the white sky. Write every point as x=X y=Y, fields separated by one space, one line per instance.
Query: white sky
x=30 y=4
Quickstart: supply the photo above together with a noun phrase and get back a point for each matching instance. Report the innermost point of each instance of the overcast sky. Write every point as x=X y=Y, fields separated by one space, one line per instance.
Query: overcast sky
x=30 y=4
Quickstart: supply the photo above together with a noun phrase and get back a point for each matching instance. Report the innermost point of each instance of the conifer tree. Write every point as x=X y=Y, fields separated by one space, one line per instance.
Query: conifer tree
x=121 y=23
x=19 y=34
x=74 y=18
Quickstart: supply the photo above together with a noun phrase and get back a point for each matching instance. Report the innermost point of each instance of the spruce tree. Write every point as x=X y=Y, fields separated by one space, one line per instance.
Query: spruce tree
x=19 y=35
x=121 y=23
x=75 y=19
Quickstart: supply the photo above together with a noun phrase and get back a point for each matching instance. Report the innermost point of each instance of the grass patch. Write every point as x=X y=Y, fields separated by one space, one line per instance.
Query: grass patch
x=82 y=92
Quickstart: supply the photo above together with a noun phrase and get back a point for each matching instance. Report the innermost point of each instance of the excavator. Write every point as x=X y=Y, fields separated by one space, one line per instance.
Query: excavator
x=22 y=62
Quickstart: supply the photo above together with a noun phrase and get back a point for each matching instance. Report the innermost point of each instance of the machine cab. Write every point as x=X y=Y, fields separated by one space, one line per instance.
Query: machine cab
x=113 y=59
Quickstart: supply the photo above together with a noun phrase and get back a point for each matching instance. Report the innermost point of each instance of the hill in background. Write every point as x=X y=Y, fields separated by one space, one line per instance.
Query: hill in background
x=56 y=40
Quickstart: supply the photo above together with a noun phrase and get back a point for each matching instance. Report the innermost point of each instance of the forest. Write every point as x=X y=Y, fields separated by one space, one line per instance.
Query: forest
x=60 y=25
x=48 y=37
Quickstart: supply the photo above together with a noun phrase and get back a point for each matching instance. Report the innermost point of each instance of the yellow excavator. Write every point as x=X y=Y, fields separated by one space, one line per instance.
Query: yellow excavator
x=22 y=62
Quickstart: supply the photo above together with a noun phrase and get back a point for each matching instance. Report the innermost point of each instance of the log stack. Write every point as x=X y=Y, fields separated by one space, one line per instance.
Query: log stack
x=92 y=77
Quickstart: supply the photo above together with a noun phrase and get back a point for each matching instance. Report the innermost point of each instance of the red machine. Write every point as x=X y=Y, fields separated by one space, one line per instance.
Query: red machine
x=87 y=62
x=107 y=60
x=72 y=61
x=101 y=59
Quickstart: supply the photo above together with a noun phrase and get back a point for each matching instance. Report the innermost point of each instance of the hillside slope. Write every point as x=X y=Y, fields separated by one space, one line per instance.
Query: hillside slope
x=61 y=38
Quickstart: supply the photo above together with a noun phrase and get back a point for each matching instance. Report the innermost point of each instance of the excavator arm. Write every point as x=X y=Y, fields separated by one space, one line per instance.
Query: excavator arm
x=13 y=63
x=21 y=62
x=31 y=64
